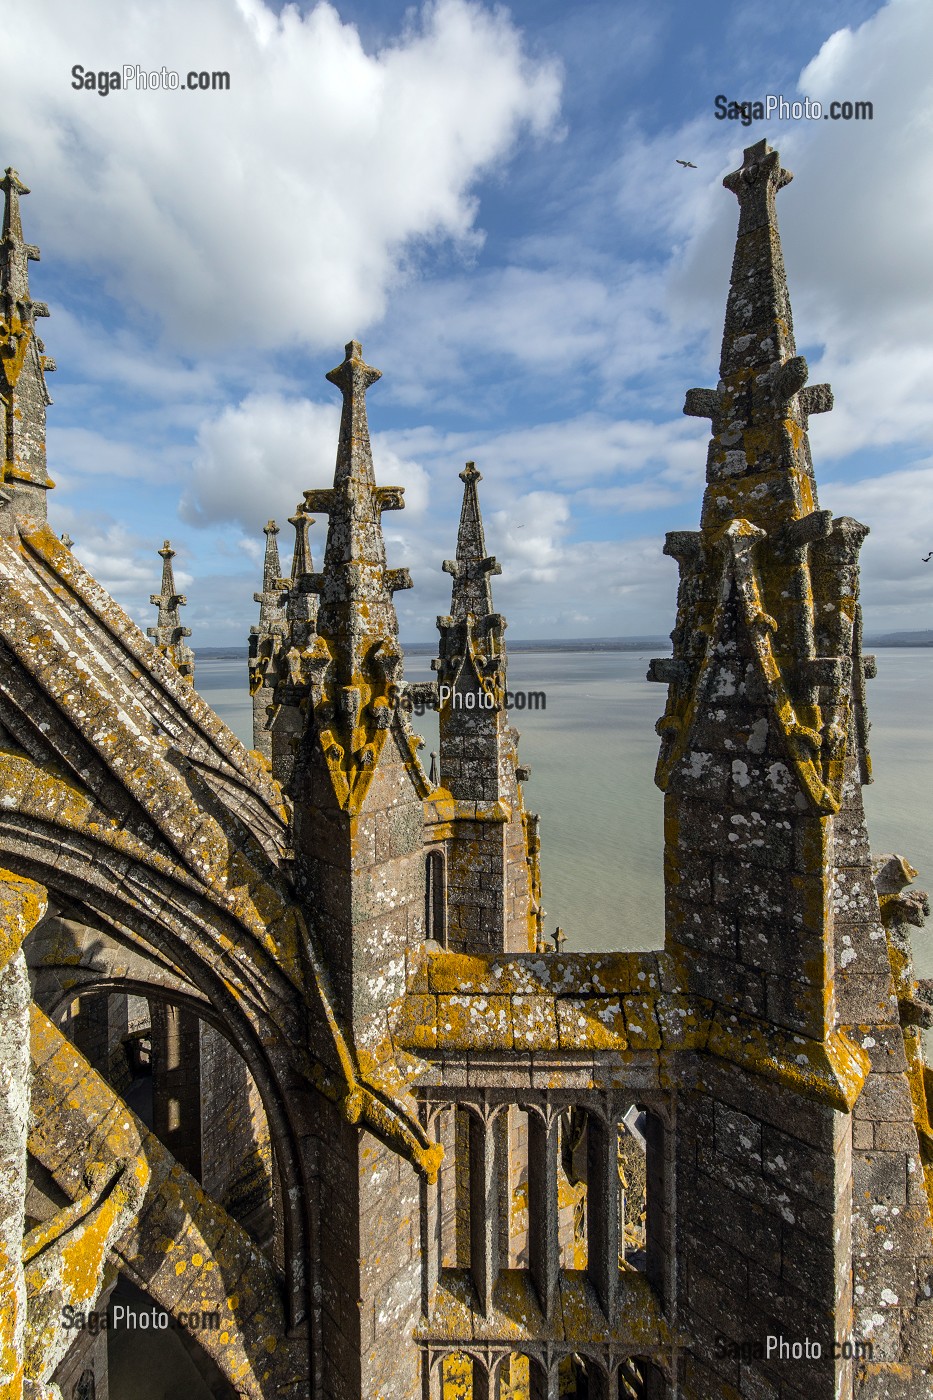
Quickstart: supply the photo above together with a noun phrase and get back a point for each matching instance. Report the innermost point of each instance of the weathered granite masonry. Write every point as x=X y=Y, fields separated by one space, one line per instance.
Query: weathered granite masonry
x=23 y=367
x=395 y=1146
x=790 y=1222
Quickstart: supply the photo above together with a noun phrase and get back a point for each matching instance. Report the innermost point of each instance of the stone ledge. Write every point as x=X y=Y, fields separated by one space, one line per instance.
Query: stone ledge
x=638 y=1326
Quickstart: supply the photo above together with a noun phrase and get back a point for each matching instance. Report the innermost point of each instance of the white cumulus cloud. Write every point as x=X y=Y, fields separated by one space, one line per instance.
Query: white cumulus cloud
x=254 y=459
x=283 y=210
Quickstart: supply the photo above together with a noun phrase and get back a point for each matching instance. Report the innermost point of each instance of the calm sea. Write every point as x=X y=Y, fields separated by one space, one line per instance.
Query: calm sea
x=592 y=753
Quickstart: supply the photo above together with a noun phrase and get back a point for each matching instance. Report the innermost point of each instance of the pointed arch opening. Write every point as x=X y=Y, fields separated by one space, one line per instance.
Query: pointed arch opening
x=435 y=896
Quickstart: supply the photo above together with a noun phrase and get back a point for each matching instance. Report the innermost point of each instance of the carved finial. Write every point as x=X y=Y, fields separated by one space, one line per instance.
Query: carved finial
x=277 y=662
x=169 y=634
x=301 y=553
x=352 y=666
x=559 y=938
x=756 y=182
x=302 y=605
x=265 y=640
x=472 y=679
x=67 y=541
x=269 y=600
x=354 y=453
x=16 y=253
x=271 y=530
x=472 y=568
x=759 y=328
x=471 y=540
x=433 y=774
x=760 y=410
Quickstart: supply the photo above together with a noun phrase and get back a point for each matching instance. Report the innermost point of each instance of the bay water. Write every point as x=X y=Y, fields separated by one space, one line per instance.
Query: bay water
x=592 y=751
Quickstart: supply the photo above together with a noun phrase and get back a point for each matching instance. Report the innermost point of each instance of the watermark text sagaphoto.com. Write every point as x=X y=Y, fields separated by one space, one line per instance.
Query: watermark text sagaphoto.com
x=103 y=81
x=779 y=1348
x=773 y=107
x=479 y=700
x=137 y=1319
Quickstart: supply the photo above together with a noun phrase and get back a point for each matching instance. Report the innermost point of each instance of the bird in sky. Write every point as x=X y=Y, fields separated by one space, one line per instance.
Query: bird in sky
x=687 y=164
x=928 y=558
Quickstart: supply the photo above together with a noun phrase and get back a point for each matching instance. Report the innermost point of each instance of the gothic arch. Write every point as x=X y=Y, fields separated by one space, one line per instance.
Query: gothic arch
x=137 y=905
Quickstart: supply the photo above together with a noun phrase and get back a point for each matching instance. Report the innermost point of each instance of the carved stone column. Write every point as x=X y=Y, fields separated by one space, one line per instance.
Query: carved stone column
x=484 y=1208
x=543 y=1237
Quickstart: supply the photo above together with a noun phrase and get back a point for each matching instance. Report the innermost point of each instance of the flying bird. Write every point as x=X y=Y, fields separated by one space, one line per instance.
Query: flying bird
x=928 y=558
x=687 y=164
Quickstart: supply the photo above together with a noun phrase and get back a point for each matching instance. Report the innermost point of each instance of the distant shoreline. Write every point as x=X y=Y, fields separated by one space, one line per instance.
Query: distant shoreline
x=578 y=644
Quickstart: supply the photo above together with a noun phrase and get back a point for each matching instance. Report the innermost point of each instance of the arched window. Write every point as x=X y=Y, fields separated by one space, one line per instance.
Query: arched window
x=435 y=897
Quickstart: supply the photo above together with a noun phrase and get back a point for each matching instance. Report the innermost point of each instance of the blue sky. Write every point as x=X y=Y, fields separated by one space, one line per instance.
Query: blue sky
x=489 y=199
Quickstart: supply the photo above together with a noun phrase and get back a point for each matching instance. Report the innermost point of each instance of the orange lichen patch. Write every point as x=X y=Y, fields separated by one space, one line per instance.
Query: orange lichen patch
x=22 y=905
x=416 y=1025
x=11 y=1326
x=456 y=1377
x=458 y=972
x=439 y=806
x=657 y=1021
x=812 y=900
x=267 y=909
x=683 y=1023
x=515 y=1378
x=590 y=1023
x=534 y=1023
x=15 y=337
x=181 y=1246
x=832 y=1071
x=536 y=974
x=639 y=1326
x=376 y=1058
x=479 y=1022
x=499 y=811
x=61 y=572
x=46 y=792
x=920 y=1079
x=641 y=1025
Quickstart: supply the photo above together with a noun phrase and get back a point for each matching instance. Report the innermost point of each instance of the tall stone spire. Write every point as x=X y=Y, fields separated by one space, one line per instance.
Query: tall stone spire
x=771 y=916
x=760 y=520
x=358 y=800
x=355 y=666
x=292 y=686
x=265 y=640
x=169 y=634
x=301 y=605
x=23 y=366
x=759 y=456
x=471 y=666
x=479 y=764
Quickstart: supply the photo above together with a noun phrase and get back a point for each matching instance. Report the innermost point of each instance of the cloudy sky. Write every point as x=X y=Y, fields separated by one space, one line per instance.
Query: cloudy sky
x=487 y=197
